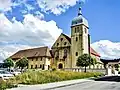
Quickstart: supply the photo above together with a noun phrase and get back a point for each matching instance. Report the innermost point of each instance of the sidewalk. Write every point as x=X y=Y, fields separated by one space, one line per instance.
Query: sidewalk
x=50 y=85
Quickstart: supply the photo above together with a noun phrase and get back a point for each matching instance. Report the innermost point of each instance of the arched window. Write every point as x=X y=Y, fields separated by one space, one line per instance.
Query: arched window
x=76 y=38
x=65 y=43
x=40 y=66
x=57 y=54
x=60 y=66
x=43 y=67
x=65 y=53
x=31 y=66
x=57 y=44
x=36 y=66
x=76 y=53
x=61 y=39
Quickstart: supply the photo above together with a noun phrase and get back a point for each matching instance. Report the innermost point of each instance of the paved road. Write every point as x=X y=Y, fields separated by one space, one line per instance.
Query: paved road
x=92 y=85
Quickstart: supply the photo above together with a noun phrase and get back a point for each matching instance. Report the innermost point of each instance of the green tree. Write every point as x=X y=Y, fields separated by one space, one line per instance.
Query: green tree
x=23 y=62
x=8 y=63
x=85 y=60
x=116 y=67
x=93 y=61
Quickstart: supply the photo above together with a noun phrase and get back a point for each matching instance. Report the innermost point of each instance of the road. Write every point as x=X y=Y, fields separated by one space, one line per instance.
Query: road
x=92 y=85
x=102 y=83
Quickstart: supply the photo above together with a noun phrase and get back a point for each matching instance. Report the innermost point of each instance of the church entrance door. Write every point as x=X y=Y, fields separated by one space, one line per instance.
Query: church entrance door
x=60 y=66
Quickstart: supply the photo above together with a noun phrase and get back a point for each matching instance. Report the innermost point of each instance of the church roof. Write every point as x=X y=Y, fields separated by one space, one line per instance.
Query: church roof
x=110 y=61
x=93 y=52
x=67 y=37
x=34 y=52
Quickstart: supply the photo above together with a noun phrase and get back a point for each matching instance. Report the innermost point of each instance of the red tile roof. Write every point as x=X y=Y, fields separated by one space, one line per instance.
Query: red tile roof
x=33 y=52
x=93 y=52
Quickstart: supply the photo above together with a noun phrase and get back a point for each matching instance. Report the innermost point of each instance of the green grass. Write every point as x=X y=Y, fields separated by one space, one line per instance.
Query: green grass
x=40 y=77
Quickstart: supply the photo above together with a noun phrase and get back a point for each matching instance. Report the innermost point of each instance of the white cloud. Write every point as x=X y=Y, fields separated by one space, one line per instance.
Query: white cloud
x=56 y=6
x=31 y=32
x=8 y=50
x=39 y=14
x=107 y=49
x=5 y=5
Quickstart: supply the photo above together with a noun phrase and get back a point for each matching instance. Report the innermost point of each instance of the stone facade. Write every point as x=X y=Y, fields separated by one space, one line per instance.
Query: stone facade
x=79 y=42
x=61 y=52
x=42 y=63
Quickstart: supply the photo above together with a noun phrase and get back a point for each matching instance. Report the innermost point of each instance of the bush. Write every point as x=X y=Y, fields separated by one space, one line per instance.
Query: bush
x=40 y=77
x=2 y=85
x=6 y=84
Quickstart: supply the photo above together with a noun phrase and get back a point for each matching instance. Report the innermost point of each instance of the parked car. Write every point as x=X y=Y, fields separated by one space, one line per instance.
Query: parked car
x=15 y=72
x=5 y=75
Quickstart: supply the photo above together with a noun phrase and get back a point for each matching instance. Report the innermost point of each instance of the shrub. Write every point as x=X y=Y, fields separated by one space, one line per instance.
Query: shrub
x=2 y=85
x=40 y=77
x=6 y=84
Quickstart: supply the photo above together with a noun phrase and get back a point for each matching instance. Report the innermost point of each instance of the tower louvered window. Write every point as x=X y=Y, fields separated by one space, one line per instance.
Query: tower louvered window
x=85 y=30
x=75 y=30
x=76 y=38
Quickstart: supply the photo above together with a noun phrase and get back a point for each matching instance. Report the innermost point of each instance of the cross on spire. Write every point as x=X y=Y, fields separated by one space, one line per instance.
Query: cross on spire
x=80 y=8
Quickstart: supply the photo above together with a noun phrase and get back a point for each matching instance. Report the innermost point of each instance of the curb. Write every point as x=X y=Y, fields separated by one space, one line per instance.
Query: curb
x=53 y=85
x=62 y=86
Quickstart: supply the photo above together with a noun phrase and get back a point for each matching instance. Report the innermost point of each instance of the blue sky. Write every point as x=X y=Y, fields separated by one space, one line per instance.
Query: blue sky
x=102 y=15
x=31 y=23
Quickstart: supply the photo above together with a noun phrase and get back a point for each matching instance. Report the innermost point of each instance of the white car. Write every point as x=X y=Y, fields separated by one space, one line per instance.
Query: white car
x=5 y=75
x=15 y=72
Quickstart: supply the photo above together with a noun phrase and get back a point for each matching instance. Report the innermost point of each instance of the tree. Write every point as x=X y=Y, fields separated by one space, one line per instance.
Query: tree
x=93 y=61
x=23 y=62
x=116 y=67
x=8 y=63
x=85 y=60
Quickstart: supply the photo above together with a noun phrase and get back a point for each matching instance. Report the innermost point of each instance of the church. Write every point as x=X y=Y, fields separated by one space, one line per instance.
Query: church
x=65 y=51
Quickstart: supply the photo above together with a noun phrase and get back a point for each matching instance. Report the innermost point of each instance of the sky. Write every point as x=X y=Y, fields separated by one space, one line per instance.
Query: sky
x=34 y=23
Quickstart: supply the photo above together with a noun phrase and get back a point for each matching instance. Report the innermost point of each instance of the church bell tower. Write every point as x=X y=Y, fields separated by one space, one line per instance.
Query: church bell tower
x=79 y=37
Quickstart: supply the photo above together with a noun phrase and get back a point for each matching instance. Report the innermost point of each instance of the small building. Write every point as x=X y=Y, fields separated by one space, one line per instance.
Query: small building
x=112 y=66
x=38 y=58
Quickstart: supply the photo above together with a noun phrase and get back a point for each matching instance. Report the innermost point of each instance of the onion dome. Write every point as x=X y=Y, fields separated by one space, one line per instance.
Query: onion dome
x=79 y=19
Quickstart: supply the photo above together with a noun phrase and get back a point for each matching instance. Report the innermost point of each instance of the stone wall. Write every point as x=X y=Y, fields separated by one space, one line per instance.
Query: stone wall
x=82 y=70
